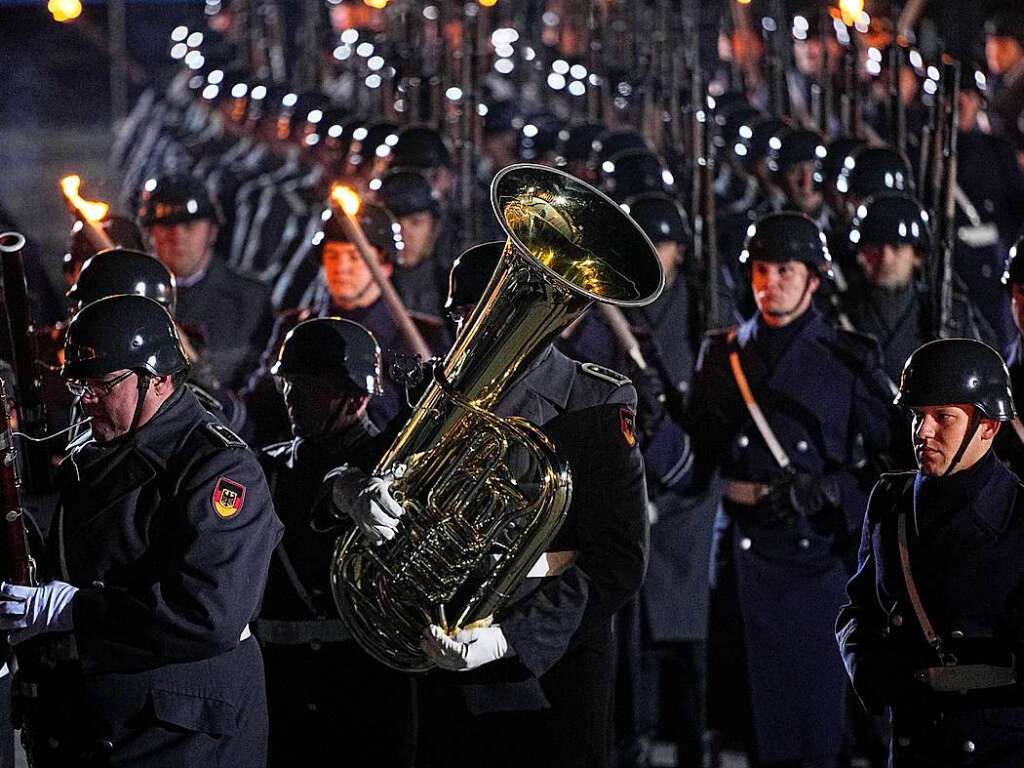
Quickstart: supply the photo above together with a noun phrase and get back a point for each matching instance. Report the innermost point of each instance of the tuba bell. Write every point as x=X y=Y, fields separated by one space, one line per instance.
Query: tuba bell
x=485 y=495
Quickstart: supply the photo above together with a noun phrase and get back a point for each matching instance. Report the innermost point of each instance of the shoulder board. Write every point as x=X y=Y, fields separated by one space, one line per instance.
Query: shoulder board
x=224 y=436
x=208 y=401
x=604 y=374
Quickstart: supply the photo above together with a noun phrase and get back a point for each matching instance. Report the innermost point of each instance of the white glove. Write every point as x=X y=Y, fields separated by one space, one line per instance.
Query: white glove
x=468 y=649
x=29 y=611
x=367 y=500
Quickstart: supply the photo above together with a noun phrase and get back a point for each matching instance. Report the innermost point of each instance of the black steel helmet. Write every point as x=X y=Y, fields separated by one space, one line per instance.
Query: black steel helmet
x=1006 y=23
x=797 y=145
x=660 y=217
x=122 y=231
x=471 y=273
x=892 y=218
x=118 y=332
x=873 y=170
x=176 y=199
x=610 y=143
x=420 y=146
x=574 y=142
x=380 y=228
x=633 y=172
x=538 y=136
x=754 y=138
x=371 y=141
x=500 y=116
x=956 y=372
x=731 y=121
x=787 y=236
x=836 y=153
x=330 y=345
x=407 y=191
x=119 y=271
x=1013 y=274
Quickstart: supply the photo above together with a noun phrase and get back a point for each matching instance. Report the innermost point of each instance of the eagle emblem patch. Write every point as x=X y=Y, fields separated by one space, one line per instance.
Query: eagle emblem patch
x=628 y=422
x=228 y=498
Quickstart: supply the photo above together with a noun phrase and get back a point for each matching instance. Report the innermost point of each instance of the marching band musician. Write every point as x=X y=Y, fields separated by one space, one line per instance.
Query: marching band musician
x=159 y=554
x=543 y=668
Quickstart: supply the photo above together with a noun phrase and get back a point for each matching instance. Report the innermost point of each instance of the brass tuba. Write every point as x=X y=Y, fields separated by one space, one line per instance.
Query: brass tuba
x=485 y=495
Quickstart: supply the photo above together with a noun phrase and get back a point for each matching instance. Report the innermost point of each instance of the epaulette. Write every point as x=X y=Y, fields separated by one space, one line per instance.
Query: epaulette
x=858 y=340
x=604 y=374
x=208 y=401
x=224 y=436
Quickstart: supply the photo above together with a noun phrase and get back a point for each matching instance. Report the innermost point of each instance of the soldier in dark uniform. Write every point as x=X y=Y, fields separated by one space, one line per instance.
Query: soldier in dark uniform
x=932 y=629
x=534 y=688
x=892 y=237
x=663 y=638
x=419 y=275
x=160 y=549
x=229 y=312
x=784 y=407
x=1010 y=440
x=322 y=689
x=989 y=213
x=1004 y=52
x=345 y=288
x=793 y=156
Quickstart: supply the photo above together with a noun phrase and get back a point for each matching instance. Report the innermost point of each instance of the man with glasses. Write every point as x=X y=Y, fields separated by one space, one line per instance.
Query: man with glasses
x=160 y=545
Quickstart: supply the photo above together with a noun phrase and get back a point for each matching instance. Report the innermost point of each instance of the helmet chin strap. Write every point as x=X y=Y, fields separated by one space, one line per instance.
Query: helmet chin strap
x=972 y=429
x=799 y=301
x=143 y=387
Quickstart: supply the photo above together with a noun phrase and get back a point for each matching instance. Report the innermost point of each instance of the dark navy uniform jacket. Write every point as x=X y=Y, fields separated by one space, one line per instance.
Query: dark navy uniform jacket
x=322 y=689
x=786 y=573
x=965 y=535
x=557 y=686
x=168 y=537
x=232 y=314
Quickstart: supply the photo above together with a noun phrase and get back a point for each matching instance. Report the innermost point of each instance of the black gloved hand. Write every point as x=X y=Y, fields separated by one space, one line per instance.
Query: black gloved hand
x=650 y=394
x=804 y=494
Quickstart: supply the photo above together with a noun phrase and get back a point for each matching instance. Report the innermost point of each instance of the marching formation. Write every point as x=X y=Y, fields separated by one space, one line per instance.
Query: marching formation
x=533 y=384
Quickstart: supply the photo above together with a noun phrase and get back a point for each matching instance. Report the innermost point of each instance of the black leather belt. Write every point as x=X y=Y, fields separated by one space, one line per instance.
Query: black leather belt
x=300 y=632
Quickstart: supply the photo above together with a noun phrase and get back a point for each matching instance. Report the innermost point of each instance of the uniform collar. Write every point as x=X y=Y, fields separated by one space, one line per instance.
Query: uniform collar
x=987 y=489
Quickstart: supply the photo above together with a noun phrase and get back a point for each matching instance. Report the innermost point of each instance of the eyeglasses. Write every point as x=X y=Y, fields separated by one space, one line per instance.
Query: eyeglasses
x=80 y=388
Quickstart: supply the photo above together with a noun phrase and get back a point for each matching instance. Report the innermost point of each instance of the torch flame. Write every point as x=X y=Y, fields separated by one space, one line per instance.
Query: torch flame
x=851 y=11
x=91 y=211
x=64 y=10
x=346 y=198
x=378 y=4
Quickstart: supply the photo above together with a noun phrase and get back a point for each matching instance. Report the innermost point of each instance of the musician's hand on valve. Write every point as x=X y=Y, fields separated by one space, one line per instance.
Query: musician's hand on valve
x=367 y=500
x=465 y=650
x=29 y=611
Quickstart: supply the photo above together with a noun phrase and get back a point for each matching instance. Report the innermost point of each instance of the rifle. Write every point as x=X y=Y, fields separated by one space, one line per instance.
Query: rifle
x=947 y=223
x=775 y=64
x=826 y=96
x=31 y=413
x=897 y=112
